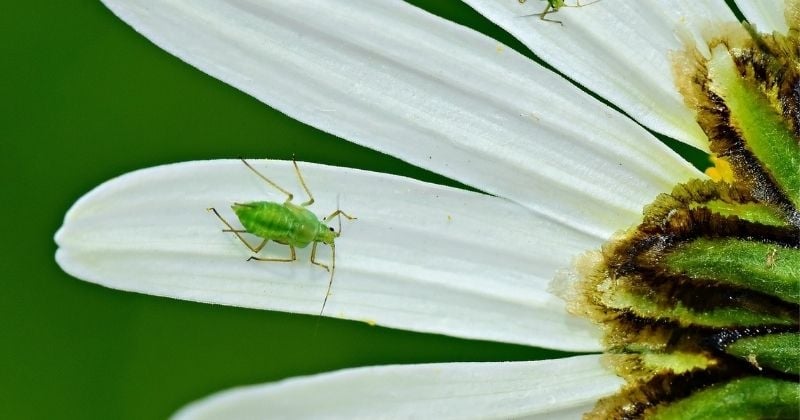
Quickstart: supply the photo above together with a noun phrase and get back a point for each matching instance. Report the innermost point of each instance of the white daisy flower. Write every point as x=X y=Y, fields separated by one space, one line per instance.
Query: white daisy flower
x=561 y=172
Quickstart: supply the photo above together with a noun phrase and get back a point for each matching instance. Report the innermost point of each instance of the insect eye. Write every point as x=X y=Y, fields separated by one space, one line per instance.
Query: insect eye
x=330 y=229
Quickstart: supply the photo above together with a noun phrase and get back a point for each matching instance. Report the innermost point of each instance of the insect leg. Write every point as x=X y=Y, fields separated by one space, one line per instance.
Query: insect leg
x=237 y=232
x=547 y=10
x=336 y=213
x=270 y=182
x=314 y=256
x=303 y=183
x=291 y=259
x=578 y=3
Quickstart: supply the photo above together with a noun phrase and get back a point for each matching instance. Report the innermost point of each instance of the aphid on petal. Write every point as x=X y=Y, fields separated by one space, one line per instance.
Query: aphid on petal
x=554 y=6
x=287 y=224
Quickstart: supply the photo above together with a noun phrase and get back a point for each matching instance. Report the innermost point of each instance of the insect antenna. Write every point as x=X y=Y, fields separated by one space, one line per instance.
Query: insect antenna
x=333 y=259
x=330 y=282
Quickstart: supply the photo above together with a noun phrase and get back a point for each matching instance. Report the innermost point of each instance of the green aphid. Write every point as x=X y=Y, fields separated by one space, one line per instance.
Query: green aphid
x=552 y=7
x=285 y=223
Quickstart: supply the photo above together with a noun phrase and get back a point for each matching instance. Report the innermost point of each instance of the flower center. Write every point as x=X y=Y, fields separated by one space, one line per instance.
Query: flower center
x=700 y=302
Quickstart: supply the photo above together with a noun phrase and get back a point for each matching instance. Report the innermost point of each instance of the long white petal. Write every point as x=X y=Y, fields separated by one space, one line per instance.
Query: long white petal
x=549 y=389
x=420 y=256
x=619 y=50
x=767 y=15
x=441 y=96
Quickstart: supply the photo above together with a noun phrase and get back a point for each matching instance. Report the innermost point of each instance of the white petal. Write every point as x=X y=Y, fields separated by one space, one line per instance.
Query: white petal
x=441 y=96
x=420 y=256
x=767 y=15
x=551 y=389
x=619 y=50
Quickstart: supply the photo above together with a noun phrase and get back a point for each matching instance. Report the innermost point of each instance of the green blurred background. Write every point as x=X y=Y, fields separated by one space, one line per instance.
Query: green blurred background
x=85 y=98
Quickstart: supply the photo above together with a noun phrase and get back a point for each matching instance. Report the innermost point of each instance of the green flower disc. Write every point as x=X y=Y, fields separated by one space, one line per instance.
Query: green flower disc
x=700 y=303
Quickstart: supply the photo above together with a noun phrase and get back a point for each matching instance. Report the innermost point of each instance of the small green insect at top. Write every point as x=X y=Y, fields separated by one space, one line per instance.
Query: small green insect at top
x=553 y=6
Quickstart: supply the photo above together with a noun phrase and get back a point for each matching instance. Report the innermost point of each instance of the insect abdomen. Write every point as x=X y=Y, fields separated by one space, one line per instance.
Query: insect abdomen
x=273 y=221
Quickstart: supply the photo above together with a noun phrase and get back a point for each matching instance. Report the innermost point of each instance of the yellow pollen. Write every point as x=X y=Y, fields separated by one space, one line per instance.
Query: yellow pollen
x=721 y=171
